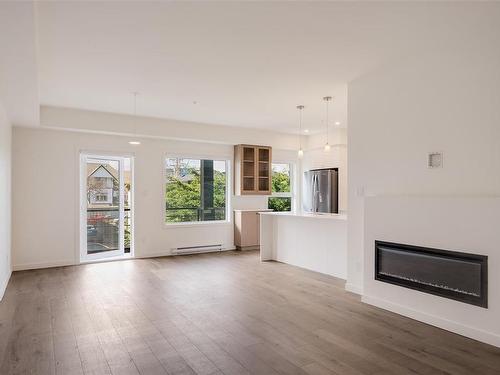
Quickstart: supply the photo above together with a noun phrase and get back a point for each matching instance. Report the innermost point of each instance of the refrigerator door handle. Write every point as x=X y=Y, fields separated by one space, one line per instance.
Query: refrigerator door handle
x=315 y=193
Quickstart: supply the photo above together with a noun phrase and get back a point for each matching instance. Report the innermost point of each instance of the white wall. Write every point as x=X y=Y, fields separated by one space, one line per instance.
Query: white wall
x=465 y=224
x=446 y=100
x=45 y=195
x=18 y=65
x=5 y=200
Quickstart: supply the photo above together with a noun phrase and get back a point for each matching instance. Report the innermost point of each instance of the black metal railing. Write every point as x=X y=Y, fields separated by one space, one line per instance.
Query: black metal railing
x=193 y=214
x=103 y=229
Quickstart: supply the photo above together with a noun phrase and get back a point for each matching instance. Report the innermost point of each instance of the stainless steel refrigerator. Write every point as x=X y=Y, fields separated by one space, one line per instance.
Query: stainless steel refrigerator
x=321 y=187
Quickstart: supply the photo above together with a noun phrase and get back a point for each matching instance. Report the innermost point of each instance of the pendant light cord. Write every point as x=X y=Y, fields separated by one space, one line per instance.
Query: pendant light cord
x=300 y=108
x=135 y=113
x=327 y=101
x=300 y=129
x=327 y=130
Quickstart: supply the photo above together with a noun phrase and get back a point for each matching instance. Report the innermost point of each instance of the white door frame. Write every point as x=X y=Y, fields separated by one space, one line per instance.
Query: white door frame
x=84 y=256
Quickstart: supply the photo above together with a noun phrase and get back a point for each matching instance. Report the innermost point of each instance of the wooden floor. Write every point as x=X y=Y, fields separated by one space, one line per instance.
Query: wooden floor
x=214 y=314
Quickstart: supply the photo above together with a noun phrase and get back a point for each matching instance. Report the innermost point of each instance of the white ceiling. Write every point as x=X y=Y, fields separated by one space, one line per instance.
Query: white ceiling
x=245 y=64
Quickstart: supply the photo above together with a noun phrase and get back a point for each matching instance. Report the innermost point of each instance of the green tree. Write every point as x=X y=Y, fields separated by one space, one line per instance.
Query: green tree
x=219 y=189
x=280 y=203
x=280 y=184
x=183 y=198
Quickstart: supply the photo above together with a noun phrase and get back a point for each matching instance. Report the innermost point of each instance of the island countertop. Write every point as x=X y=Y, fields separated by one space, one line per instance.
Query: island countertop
x=307 y=215
x=317 y=242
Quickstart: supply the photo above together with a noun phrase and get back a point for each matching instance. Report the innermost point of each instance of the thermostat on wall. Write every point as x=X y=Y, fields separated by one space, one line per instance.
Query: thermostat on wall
x=435 y=160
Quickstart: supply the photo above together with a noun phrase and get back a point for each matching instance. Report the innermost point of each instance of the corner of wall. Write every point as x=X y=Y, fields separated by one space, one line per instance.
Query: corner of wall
x=4 y=283
x=354 y=288
x=5 y=201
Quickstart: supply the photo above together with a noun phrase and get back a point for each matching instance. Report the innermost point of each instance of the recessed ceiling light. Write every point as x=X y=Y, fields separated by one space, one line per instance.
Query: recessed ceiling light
x=337 y=122
x=134 y=143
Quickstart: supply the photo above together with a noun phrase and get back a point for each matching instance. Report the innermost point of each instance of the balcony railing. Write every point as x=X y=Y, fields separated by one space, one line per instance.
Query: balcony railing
x=103 y=232
x=193 y=214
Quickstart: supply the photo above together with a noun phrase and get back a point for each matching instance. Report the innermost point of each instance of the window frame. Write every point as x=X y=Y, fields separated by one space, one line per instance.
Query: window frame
x=186 y=224
x=291 y=193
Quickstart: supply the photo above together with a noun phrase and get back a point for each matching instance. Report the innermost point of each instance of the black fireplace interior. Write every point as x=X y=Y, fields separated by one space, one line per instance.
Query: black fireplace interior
x=450 y=274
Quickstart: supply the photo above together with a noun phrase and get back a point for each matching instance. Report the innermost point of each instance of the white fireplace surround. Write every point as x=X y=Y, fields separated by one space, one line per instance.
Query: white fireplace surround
x=466 y=224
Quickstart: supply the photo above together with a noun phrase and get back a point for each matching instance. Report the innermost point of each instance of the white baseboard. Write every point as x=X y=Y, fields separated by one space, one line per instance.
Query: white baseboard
x=63 y=263
x=34 y=266
x=353 y=288
x=3 y=285
x=449 y=325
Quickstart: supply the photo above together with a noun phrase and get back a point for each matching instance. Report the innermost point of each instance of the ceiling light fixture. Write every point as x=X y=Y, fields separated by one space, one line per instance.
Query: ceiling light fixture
x=300 y=152
x=327 y=100
x=135 y=142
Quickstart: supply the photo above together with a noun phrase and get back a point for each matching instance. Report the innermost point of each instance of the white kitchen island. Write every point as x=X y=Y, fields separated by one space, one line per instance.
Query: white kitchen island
x=314 y=242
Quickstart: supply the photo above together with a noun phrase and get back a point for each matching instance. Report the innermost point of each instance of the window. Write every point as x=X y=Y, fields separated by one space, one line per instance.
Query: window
x=281 y=198
x=195 y=190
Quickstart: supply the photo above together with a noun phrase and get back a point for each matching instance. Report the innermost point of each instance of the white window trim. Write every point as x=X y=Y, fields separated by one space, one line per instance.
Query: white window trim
x=291 y=194
x=229 y=177
x=81 y=206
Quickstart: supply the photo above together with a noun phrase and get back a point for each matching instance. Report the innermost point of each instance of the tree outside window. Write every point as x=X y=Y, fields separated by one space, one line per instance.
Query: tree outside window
x=195 y=190
x=281 y=198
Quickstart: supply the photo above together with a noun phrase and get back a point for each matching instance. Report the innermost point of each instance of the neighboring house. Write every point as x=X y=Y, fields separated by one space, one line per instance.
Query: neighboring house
x=100 y=183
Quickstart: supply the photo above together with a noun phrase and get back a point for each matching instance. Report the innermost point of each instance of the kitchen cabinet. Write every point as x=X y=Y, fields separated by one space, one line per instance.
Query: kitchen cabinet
x=252 y=170
x=247 y=229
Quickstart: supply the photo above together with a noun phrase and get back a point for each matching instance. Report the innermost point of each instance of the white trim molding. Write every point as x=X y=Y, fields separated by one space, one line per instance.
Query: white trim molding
x=449 y=325
x=34 y=266
x=353 y=288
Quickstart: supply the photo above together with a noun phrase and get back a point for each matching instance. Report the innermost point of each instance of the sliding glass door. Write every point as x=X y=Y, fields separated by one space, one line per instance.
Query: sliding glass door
x=106 y=206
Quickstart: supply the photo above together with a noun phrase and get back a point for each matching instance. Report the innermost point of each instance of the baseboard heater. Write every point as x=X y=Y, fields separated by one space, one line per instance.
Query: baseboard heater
x=196 y=249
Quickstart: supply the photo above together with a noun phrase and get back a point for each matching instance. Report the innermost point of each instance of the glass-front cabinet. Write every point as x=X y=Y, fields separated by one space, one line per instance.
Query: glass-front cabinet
x=252 y=167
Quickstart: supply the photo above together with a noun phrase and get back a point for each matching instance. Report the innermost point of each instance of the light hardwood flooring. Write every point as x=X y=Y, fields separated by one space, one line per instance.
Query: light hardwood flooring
x=223 y=313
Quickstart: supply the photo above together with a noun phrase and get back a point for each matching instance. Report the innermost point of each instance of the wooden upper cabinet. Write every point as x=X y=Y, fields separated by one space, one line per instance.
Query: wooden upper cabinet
x=252 y=170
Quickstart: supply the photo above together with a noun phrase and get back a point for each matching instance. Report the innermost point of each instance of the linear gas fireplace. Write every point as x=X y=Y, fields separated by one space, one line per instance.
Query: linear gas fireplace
x=459 y=276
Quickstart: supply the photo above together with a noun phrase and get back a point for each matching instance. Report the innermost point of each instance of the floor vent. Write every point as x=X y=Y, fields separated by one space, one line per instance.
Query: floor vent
x=196 y=249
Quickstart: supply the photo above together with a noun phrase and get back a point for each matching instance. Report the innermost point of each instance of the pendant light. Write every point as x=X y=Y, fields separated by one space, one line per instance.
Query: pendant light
x=327 y=100
x=300 y=152
x=135 y=141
